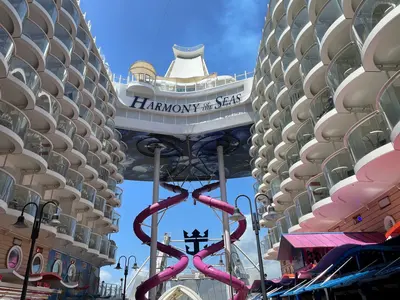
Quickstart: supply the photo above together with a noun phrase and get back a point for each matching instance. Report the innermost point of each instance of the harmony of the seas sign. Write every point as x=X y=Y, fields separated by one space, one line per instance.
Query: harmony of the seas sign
x=219 y=102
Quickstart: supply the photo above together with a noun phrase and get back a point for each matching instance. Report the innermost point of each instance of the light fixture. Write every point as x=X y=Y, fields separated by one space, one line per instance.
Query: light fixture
x=271 y=213
x=55 y=220
x=118 y=267
x=20 y=222
x=135 y=266
x=237 y=215
x=221 y=262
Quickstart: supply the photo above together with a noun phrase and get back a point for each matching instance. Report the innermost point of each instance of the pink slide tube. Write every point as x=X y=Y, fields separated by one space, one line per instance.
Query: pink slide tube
x=183 y=260
x=208 y=270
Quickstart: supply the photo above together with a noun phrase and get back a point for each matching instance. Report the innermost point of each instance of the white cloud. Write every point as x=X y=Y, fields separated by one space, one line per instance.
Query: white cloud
x=105 y=276
x=248 y=244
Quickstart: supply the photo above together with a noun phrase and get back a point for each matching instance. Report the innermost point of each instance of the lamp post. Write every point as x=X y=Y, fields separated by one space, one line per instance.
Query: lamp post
x=34 y=235
x=126 y=269
x=256 y=228
x=221 y=263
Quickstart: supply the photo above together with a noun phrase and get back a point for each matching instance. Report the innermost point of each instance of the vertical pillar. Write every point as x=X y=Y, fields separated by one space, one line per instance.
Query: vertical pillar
x=154 y=220
x=225 y=219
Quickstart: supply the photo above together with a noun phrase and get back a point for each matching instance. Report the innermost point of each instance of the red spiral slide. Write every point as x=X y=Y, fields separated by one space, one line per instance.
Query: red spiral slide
x=171 y=271
x=208 y=270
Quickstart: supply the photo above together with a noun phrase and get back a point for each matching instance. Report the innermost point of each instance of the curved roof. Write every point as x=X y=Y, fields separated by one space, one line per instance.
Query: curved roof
x=188 y=52
x=143 y=67
x=177 y=291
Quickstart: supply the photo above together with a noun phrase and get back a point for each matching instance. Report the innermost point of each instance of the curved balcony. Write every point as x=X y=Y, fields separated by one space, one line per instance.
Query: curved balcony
x=342 y=66
x=62 y=44
x=94 y=243
x=39 y=147
x=104 y=85
x=7 y=186
x=109 y=128
x=289 y=127
x=94 y=64
x=45 y=114
x=108 y=214
x=88 y=196
x=374 y=25
x=118 y=196
x=283 y=172
x=329 y=13
x=82 y=236
x=313 y=71
x=84 y=122
x=371 y=149
x=99 y=206
x=66 y=129
x=90 y=170
x=58 y=163
x=7 y=47
x=338 y=167
x=115 y=221
x=112 y=253
x=77 y=156
x=49 y=211
x=100 y=112
x=74 y=182
x=21 y=85
x=305 y=134
x=292 y=220
x=89 y=92
x=71 y=101
x=21 y=196
x=104 y=174
x=292 y=155
x=321 y=104
x=66 y=229
x=274 y=238
x=309 y=60
x=287 y=58
x=45 y=13
x=282 y=227
x=81 y=145
x=13 y=127
x=12 y=13
x=104 y=247
x=96 y=138
x=280 y=27
x=299 y=21
x=111 y=184
x=307 y=220
x=111 y=111
x=72 y=14
x=33 y=45
x=83 y=38
x=54 y=76
x=77 y=70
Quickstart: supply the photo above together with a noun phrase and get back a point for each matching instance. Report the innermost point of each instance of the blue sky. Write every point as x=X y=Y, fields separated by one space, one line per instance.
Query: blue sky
x=130 y=30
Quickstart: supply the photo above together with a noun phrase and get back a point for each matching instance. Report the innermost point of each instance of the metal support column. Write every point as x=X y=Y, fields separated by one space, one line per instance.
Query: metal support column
x=225 y=217
x=154 y=220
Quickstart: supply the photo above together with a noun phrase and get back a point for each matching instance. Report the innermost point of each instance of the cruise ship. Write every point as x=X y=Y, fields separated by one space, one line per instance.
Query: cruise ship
x=316 y=124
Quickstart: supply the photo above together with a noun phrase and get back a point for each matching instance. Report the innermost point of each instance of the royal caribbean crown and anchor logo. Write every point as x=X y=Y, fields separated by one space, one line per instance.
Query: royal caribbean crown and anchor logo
x=196 y=239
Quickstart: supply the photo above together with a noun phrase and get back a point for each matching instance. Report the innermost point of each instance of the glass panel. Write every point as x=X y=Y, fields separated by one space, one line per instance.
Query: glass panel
x=7 y=184
x=112 y=184
x=327 y=16
x=103 y=80
x=23 y=71
x=104 y=174
x=21 y=7
x=338 y=167
x=55 y=66
x=6 y=43
x=123 y=147
x=108 y=212
x=63 y=35
x=49 y=104
x=112 y=251
x=80 y=144
x=95 y=241
x=58 y=163
x=389 y=101
x=317 y=188
x=90 y=85
x=305 y=133
x=279 y=83
x=74 y=179
x=111 y=99
x=310 y=59
x=303 y=204
x=343 y=64
x=38 y=143
x=119 y=192
x=88 y=193
x=288 y=57
x=271 y=108
x=98 y=132
x=273 y=55
x=86 y=114
x=93 y=160
x=84 y=37
x=369 y=14
x=78 y=63
x=105 y=245
x=82 y=234
x=107 y=147
x=66 y=126
x=49 y=211
x=23 y=195
x=115 y=219
x=117 y=136
x=69 y=6
x=283 y=172
x=282 y=226
x=67 y=225
x=121 y=169
x=321 y=104
x=95 y=61
x=50 y=7
x=110 y=123
x=296 y=91
x=274 y=235
x=36 y=34
x=285 y=117
x=13 y=119
x=275 y=186
x=72 y=93
x=292 y=155
x=101 y=106
x=100 y=204
x=300 y=20
x=280 y=27
x=291 y=216
x=370 y=134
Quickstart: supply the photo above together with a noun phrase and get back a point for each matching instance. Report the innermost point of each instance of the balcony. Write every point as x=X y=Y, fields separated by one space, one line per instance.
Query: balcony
x=84 y=38
x=95 y=63
x=108 y=213
x=49 y=104
x=275 y=186
x=93 y=160
x=64 y=44
x=292 y=155
x=12 y=14
x=104 y=174
x=338 y=167
x=304 y=210
x=89 y=194
x=101 y=112
x=107 y=147
x=84 y=121
x=317 y=188
x=7 y=47
x=82 y=236
x=274 y=238
x=70 y=9
x=115 y=221
x=58 y=163
x=305 y=133
x=280 y=27
x=7 y=186
x=100 y=205
x=288 y=57
x=23 y=77
x=112 y=253
x=282 y=227
x=109 y=128
x=71 y=101
x=112 y=184
x=39 y=144
x=299 y=21
x=104 y=83
x=118 y=195
x=57 y=75
x=343 y=64
x=105 y=247
x=292 y=220
x=373 y=39
x=283 y=172
x=74 y=180
x=80 y=67
x=80 y=145
x=66 y=126
x=21 y=196
x=321 y=104
x=310 y=60
x=95 y=242
x=14 y=125
x=67 y=227
x=48 y=10
x=97 y=138
x=329 y=13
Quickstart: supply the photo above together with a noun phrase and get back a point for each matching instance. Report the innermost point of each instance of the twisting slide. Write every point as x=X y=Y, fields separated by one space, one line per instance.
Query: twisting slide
x=137 y=228
x=240 y=287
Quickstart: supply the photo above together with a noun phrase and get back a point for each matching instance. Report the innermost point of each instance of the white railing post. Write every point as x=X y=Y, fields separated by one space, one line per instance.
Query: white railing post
x=234 y=76
x=245 y=75
x=120 y=78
